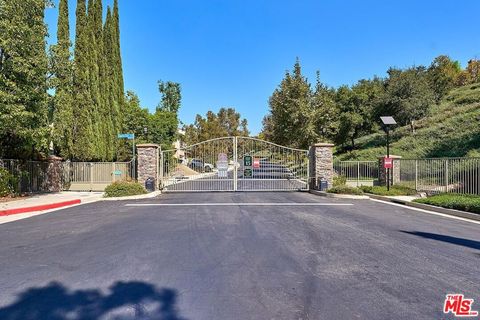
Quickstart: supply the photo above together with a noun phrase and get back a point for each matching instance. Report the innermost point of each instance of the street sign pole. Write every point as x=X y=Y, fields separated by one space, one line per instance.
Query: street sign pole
x=130 y=136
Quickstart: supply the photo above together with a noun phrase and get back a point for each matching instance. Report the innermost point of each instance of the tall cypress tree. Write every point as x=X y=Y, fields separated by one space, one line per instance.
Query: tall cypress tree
x=62 y=82
x=119 y=85
x=105 y=125
x=94 y=84
x=84 y=137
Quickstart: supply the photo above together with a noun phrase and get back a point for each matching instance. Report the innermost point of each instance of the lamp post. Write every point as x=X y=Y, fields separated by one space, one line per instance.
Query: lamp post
x=387 y=122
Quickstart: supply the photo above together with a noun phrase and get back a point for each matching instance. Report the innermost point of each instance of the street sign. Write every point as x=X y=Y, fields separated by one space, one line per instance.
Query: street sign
x=387 y=163
x=117 y=172
x=247 y=160
x=129 y=136
x=248 y=173
x=256 y=163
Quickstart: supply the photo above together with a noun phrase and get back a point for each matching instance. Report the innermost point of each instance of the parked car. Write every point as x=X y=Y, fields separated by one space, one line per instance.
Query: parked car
x=200 y=166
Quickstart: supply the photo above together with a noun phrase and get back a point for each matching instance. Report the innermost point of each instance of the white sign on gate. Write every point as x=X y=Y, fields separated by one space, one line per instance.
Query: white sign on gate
x=222 y=165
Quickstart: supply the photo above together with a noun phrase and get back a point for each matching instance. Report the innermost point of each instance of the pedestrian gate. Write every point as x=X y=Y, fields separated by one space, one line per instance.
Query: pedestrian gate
x=234 y=164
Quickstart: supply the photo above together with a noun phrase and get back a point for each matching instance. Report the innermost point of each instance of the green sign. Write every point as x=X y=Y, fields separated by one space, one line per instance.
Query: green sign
x=117 y=172
x=248 y=173
x=247 y=161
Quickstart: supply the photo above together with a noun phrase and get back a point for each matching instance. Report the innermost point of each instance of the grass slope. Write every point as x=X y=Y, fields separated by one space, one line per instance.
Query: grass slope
x=451 y=130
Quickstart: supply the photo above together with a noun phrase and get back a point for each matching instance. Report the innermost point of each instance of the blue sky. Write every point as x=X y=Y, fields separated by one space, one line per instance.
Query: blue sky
x=235 y=53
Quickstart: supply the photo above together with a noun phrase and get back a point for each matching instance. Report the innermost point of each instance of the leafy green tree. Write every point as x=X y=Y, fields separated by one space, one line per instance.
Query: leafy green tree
x=291 y=112
x=325 y=118
x=61 y=69
x=227 y=122
x=164 y=122
x=443 y=74
x=135 y=119
x=408 y=95
x=24 y=131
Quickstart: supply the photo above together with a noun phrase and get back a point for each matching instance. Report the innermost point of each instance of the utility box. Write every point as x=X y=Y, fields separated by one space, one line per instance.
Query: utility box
x=323 y=184
x=150 y=184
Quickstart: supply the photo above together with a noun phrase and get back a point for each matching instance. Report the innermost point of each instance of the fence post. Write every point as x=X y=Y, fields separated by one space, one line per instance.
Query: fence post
x=91 y=175
x=113 y=171
x=416 y=175
x=446 y=175
x=358 y=174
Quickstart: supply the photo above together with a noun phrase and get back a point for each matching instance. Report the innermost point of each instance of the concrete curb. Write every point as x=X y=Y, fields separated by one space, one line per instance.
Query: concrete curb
x=339 y=196
x=55 y=205
x=139 y=197
x=451 y=212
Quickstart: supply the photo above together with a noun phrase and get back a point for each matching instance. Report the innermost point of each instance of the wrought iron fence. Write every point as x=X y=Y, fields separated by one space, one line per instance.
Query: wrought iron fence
x=32 y=176
x=357 y=172
x=454 y=175
x=28 y=176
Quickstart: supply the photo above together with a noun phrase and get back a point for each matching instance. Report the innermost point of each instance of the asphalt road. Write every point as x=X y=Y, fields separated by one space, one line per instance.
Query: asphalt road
x=189 y=260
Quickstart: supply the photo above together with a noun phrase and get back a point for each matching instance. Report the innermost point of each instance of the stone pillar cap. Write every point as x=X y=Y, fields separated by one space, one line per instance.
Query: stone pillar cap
x=323 y=144
x=391 y=156
x=147 y=145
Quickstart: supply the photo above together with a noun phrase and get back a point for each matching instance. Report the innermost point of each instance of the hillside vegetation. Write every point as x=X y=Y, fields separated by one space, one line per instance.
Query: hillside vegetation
x=452 y=129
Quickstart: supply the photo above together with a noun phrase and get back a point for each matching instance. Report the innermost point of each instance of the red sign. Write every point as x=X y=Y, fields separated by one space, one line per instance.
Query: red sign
x=387 y=163
x=256 y=163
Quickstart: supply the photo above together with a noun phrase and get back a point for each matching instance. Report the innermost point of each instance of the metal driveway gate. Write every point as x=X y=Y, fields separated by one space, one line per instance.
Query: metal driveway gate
x=234 y=164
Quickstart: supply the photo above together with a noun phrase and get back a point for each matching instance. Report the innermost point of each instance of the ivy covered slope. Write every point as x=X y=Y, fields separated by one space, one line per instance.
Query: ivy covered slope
x=452 y=129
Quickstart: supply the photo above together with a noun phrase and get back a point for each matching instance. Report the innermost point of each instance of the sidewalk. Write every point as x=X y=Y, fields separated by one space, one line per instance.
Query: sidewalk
x=45 y=200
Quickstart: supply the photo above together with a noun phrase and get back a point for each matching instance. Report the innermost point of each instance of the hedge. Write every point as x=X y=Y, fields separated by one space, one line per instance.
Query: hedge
x=124 y=189
x=345 y=190
x=394 y=190
x=462 y=202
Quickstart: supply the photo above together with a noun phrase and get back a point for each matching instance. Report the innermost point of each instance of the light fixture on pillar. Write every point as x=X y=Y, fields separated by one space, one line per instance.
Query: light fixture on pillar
x=387 y=162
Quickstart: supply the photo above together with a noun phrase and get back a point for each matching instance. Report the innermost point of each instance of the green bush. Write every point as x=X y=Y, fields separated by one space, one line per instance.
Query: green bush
x=7 y=183
x=345 y=190
x=394 y=190
x=124 y=189
x=339 y=181
x=463 y=202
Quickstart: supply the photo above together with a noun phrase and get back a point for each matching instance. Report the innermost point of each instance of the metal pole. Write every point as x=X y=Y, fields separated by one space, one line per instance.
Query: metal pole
x=388 y=156
x=416 y=175
x=358 y=173
x=446 y=175
x=133 y=157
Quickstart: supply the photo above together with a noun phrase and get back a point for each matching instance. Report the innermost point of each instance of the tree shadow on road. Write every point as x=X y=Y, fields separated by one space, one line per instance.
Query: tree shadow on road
x=123 y=301
x=454 y=240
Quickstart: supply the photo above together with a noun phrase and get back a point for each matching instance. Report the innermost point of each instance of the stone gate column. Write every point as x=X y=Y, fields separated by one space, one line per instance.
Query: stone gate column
x=321 y=164
x=54 y=174
x=394 y=172
x=148 y=163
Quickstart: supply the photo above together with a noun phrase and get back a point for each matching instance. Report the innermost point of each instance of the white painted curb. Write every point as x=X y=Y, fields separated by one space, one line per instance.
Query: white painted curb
x=339 y=196
x=139 y=197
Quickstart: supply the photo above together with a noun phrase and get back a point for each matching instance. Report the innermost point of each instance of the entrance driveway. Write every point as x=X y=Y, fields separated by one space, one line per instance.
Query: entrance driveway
x=222 y=256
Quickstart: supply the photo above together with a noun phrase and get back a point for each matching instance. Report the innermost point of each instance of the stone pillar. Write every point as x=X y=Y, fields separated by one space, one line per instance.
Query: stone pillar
x=148 y=163
x=394 y=172
x=54 y=181
x=321 y=164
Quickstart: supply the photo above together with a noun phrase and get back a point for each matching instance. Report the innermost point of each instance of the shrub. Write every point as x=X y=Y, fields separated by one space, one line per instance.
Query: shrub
x=463 y=202
x=124 y=189
x=339 y=181
x=394 y=190
x=345 y=190
x=7 y=183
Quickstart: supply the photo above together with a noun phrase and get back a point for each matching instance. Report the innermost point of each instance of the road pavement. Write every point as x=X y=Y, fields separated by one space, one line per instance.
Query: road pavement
x=221 y=256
